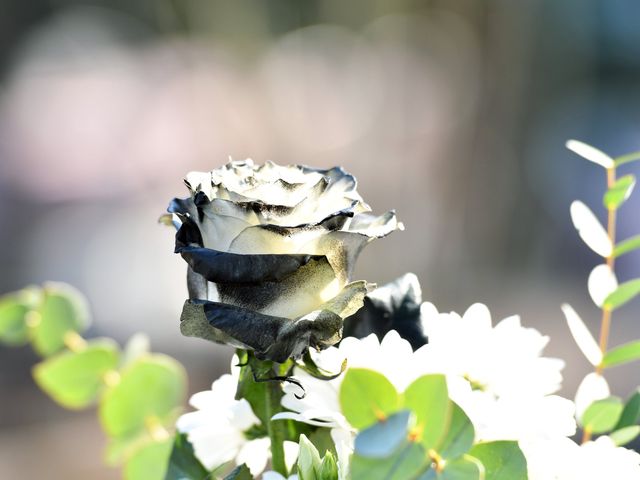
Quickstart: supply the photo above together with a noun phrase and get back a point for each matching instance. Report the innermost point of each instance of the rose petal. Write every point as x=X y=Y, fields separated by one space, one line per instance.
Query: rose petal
x=590 y=229
x=593 y=387
x=602 y=281
x=581 y=334
x=590 y=153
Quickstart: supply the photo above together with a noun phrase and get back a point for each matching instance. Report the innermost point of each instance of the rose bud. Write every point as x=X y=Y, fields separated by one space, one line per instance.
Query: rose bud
x=271 y=250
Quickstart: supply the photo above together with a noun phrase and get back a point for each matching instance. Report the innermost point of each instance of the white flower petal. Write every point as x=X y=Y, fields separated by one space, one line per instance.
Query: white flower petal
x=602 y=281
x=271 y=475
x=590 y=229
x=255 y=454
x=291 y=451
x=581 y=334
x=590 y=153
x=593 y=387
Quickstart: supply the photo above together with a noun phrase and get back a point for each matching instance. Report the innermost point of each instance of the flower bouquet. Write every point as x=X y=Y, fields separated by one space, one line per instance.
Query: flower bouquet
x=333 y=378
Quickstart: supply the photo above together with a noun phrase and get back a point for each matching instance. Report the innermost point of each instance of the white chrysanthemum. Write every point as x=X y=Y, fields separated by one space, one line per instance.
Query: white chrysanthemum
x=563 y=459
x=216 y=429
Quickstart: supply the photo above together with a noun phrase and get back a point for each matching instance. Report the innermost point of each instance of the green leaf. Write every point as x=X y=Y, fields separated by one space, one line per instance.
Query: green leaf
x=626 y=246
x=631 y=413
x=63 y=309
x=407 y=462
x=308 y=460
x=14 y=309
x=502 y=460
x=625 y=435
x=328 y=468
x=150 y=391
x=383 y=438
x=149 y=462
x=619 y=192
x=602 y=415
x=428 y=398
x=461 y=468
x=137 y=346
x=629 y=157
x=623 y=354
x=254 y=392
x=241 y=472
x=626 y=291
x=73 y=379
x=183 y=464
x=460 y=435
x=366 y=397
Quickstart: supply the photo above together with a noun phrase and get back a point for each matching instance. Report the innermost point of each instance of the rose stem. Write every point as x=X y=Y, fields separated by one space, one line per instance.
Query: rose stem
x=605 y=323
x=275 y=428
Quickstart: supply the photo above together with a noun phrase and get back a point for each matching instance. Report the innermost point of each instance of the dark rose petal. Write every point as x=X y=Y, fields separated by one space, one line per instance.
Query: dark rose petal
x=224 y=267
x=394 y=306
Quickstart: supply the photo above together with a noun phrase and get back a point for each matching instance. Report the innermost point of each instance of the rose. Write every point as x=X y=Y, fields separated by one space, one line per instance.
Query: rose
x=271 y=250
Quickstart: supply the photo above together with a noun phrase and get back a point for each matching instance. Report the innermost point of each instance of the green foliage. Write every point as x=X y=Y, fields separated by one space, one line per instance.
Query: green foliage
x=502 y=460
x=405 y=462
x=459 y=438
x=311 y=466
x=628 y=158
x=619 y=192
x=74 y=379
x=14 y=308
x=183 y=464
x=241 y=472
x=428 y=398
x=602 y=415
x=382 y=438
x=149 y=461
x=150 y=390
x=623 y=354
x=62 y=309
x=462 y=468
x=631 y=412
x=626 y=246
x=367 y=396
x=625 y=292
x=625 y=435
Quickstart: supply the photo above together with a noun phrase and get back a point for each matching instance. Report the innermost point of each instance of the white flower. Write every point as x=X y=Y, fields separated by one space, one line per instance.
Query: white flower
x=563 y=459
x=271 y=475
x=590 y=229
x=271 y=251
x=216 y=429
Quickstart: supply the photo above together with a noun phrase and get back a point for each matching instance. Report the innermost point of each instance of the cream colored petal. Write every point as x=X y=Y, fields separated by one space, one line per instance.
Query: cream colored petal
x=593 y=387
x=590 y=229
x=602 y=282
x=590 y=153
x=581 y=334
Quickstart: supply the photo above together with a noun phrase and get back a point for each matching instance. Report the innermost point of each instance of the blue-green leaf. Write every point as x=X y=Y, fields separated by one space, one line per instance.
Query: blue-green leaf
x=602 y=415
x=14 y=308
x=383 y=438
x=407 y=462
x=461 y=468
x=428 y=398
x=183 y=464
x=366 y=397
x=502 y=460
x=460 y=434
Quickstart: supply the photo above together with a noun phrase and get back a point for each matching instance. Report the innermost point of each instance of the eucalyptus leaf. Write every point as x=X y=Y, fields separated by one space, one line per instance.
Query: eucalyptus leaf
x=62 y=309
x=460 y=435
x=625 y=292
x=461 y=468
x=383 y=438
x=623 y=354
x=628 y=158
x=626 y=246
x=407 y=462
x=241 y=472
x=625 y=435
x=631 y=413
x=74 y=379
x=183 y=464
x=150 y=391
x=619 y=192
x=14 y=308
x=502 y=460
x=149 y=462
x=602 y=415
x=428 y=398
x=366 y=397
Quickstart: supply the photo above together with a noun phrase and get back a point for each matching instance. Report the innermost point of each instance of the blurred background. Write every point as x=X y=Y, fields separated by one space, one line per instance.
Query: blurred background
x=453 y=112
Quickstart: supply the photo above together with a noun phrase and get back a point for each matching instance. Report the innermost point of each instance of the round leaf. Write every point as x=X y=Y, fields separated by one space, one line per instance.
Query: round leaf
x=366 y=397
x=428 y=398
x=502 y=460
x=63 y=309
x=602 y=415
x=460 y=435
x=462 y=468
x=407 y=462
x=73 y=379
x=14 y=308
x=151 y=388
x=625 y=435
x=149 y=462
x=383 y=438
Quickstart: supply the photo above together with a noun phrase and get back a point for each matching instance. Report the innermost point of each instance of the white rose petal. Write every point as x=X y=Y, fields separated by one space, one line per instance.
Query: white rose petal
x=590 y=153
x=581 y=334
x=602 y=282
x=590 y=229
x=593 y=387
